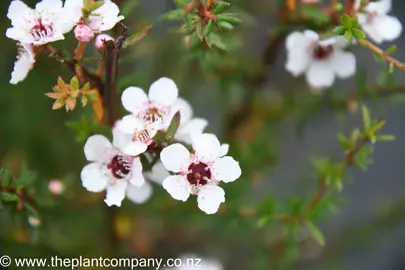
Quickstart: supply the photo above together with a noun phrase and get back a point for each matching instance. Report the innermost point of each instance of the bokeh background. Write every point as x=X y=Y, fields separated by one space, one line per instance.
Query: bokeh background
x=367 y=233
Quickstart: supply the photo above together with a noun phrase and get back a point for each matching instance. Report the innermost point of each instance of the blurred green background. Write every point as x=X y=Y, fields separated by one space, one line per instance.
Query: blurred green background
x=274 y=151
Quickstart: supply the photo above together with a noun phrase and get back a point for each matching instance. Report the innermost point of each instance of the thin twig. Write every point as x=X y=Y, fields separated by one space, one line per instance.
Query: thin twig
x=381 y=53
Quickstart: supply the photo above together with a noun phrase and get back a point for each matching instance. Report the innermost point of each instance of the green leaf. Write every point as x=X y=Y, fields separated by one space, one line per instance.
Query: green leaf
x=338 y=7
x=229 y=19
x=86 y=87
x=5 y=175
x=174 y=15
x=219 y=7
x=200 y=31
x=385 y=137
x=349 y=35
x=8 y=197
x=379 y=58
x=366 y=117
x=217 y=42
x=357 y=33
x=377 y=127
x=263 y=221
x=391 y=68
x=315 y=14
x=316 y=233
x=225 y=25
x=95 y=5
x=340 y=30
x=174 y=125
x=208 y=28
x=179 y=3
x=346 y=21
x=391 y=49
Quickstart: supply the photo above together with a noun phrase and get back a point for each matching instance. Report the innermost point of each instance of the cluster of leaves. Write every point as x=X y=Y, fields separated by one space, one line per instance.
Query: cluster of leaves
x=16 y=193
x=203 y=23
x=66 y=94
x=298 y=213
x=349 y=28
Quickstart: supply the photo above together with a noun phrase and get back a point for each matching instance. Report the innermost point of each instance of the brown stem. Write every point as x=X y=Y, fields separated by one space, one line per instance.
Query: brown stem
x=381 y=53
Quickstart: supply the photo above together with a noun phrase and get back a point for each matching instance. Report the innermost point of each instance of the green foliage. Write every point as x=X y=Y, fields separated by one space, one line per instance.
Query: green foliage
x=349 y=27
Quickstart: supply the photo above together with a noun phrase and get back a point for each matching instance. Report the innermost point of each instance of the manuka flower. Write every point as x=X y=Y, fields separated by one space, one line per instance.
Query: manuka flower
x=377 y=24
x=320 y=60
x=200 y=172
x=101 y=19
x=46 y=23
x=110 y=169
x=23 y=65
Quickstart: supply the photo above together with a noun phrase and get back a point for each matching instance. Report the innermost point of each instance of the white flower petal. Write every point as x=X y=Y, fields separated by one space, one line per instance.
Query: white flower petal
x=177 y=186
x=120 y=139
x=135 y=148
x=210 y=198
x=98 y=148
x=163 y=92
x=372 y=33
x=226 y=169
x=129 y=124
x=186 y=111
x=116 y=193
x=297 y=62
x=320 y=74
x=312 y=36
x=380 y=7
x=295 y=40
x=225 y=149
x=175 y=157
x=105 y=17
x=17 y=12
x=72 y=12
x=139 y=195
x=134 y=99
x=158 y=173
x=388 y=27
x=52 y=5
x=93 y=178
x=137 y=178
x=190 y=130
x=344 y=64
x=23 y=65
x=207 y=147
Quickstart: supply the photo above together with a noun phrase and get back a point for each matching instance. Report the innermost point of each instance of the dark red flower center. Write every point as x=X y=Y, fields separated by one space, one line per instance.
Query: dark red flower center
x=40 y=31
x=322 y=52
x=119 y=166
x=198 y=173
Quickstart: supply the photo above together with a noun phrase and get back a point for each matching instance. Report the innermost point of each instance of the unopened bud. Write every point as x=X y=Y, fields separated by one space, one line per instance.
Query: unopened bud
x=33 y=221
x=84 y=33
x=56 y=187
x=99 y=43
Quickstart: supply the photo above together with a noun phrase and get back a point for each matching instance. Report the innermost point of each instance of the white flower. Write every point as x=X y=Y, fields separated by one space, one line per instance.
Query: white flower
x=142 y=134
x=199 y=173
x=101 y=19
x=110 y=169
x=320 y=60
x=194 y=262
x=56 y=187
x=23 y=65
x=154 y=107
x=46 y=23
x=158 y=173
x=377 y=24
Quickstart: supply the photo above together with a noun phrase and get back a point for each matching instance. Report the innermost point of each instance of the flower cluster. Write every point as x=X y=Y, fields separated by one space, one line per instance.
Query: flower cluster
x=117 y=167
x=49 y=22
x=322 y=60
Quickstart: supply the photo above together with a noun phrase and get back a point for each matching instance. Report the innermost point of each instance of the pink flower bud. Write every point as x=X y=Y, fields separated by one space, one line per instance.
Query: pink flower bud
x=56 y=187
x=310 y=1
x=99 y=43
x=84 y=33
x=33 y=221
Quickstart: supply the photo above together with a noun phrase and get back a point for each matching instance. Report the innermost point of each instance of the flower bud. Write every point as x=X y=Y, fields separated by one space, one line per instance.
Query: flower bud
x=84 y=33
x=56 y=187
x=99 y=43
x=33 y=221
